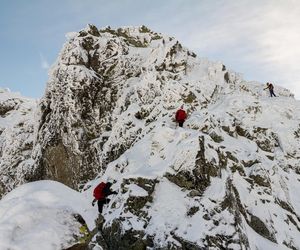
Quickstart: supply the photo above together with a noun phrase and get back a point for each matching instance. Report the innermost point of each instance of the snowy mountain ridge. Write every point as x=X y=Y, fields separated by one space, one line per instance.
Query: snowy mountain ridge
x=227 y=180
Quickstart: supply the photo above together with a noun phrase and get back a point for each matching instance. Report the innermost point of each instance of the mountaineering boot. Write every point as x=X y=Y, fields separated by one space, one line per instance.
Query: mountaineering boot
x=100 y=220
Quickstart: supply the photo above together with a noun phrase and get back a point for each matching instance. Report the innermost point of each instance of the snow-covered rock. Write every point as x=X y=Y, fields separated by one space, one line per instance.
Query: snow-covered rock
x=43 y=214
x=17 y=125
x=227 y=180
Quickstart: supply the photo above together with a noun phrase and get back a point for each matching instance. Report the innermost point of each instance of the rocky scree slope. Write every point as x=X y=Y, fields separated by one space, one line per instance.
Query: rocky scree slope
x=227 y=180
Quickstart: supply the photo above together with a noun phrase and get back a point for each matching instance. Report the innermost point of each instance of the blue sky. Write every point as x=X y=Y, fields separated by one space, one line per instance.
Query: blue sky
x=258 y=38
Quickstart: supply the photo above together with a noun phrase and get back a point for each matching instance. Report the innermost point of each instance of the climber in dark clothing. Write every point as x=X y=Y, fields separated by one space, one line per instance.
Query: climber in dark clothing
x=271 y=89
x=101 y=192
x=180 y=116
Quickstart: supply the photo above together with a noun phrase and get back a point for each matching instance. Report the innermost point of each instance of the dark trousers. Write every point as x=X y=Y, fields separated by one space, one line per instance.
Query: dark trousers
x=272 y=93
x=180 y=123
x=101 y=204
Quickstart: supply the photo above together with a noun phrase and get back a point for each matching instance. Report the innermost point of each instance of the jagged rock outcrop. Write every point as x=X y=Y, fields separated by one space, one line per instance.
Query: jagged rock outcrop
x=16 y=139
x=228 y=178
x=82 y=102
x=96 y=79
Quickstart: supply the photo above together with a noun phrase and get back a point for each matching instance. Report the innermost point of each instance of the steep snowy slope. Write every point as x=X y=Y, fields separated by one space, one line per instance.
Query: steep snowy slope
x=16 y=139
x=227 y=180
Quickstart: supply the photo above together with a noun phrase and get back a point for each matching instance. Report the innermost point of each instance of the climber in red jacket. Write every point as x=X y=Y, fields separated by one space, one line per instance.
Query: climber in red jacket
x=100 y=193
x=180 y=116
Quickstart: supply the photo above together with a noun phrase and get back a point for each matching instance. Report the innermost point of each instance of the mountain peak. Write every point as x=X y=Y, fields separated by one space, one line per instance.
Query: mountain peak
x=228 y=177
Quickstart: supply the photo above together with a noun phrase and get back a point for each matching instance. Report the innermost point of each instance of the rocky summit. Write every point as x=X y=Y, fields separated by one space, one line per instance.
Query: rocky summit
x=228 y=179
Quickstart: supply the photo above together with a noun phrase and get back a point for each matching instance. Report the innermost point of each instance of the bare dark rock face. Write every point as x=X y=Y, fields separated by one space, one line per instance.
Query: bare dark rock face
x=61 y=164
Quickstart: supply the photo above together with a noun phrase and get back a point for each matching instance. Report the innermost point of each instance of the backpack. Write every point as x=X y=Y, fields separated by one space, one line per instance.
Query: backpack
x=180 y=115
x=98 y=191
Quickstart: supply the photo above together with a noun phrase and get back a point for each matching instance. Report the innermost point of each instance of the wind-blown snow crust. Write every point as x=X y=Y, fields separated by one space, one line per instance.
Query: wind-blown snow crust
x=42 y=214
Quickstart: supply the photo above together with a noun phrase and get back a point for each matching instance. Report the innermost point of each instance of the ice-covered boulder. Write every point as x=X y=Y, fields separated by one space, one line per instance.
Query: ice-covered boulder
x=44 y=214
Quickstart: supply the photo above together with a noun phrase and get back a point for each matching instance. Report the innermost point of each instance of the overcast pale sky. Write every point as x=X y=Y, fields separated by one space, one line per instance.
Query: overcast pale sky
x=258 y=38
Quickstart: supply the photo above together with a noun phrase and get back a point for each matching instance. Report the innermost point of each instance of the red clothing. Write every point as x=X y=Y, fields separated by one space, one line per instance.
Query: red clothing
x=180 y=115
x=99 y=191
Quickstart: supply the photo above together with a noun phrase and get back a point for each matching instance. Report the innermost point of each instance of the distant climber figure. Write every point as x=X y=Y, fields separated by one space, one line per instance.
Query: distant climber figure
x=100 y=193
x=271 y=89
x=180 y=116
